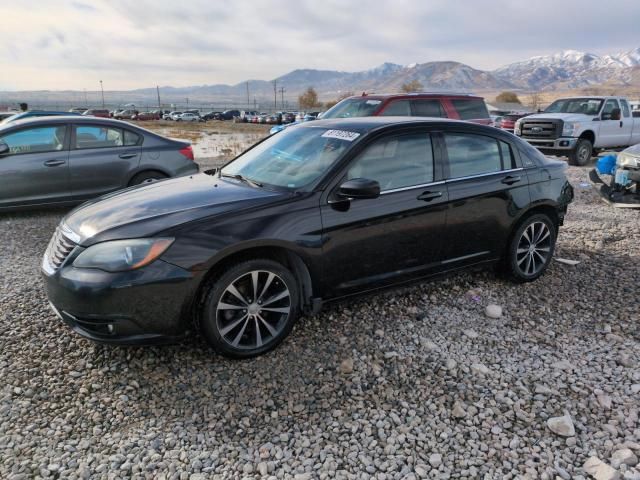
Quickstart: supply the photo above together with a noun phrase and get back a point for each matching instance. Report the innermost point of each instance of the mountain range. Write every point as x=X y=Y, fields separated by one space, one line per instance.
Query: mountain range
x=566 y=70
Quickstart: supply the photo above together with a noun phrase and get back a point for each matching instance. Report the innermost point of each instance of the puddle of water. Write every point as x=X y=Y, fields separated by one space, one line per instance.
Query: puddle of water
x=214 y=149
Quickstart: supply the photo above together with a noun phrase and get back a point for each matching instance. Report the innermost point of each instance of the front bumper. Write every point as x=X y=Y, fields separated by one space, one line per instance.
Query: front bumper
x=148 y=305
x=562 y=144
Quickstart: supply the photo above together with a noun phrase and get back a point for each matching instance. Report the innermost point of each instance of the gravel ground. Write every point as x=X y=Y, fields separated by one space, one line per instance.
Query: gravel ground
x=412 y=383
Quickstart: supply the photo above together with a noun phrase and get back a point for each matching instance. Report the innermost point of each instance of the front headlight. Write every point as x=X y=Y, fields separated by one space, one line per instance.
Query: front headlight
x=569 y=128
x=628 y=160
x=516 y=127
x=122 y=255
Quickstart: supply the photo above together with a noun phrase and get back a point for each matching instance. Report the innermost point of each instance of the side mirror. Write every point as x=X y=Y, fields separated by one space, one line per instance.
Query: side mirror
x=615 y=114
x=4 y=148
x=359 y=188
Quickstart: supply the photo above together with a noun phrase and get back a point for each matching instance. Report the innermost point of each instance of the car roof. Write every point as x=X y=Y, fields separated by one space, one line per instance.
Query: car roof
x=367 y=124
x=385 y=96
x=66 y=119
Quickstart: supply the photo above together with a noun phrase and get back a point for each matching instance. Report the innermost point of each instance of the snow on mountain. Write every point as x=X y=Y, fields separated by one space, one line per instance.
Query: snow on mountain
x=569 y=69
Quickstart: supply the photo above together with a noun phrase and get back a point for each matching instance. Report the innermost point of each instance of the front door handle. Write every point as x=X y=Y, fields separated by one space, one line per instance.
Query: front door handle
x=511 y=179
x=127 y=155
x=54 y=163
x=621 y=123
x=428 y=196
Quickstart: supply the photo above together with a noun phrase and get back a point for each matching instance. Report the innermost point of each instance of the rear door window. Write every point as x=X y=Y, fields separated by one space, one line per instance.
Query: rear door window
x=131 y=138
x=36 y=140
x=626 y=111
x=428 y=108
x=470 y=108
x=397 y=108
x=471 y=154
x=98 y=136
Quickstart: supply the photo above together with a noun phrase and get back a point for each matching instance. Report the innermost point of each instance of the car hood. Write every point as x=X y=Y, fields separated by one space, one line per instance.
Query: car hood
x=146 y=210
x=634 y=150
x=567 y=117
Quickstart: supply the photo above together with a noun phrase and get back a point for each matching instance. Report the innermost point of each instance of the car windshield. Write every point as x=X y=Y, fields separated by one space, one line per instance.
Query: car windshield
x=294 y=158
x=353 y=107
x=587 y=106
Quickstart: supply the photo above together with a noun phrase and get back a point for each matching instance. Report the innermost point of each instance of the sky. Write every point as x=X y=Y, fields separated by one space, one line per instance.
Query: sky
x=73 y=44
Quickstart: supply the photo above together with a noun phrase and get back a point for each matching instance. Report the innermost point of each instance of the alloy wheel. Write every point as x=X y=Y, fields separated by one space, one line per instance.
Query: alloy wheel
x=253 y=310
x=583 y=155
x=534 y=248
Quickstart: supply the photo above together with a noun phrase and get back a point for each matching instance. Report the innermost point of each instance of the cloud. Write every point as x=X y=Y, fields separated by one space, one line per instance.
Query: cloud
x=147 y=42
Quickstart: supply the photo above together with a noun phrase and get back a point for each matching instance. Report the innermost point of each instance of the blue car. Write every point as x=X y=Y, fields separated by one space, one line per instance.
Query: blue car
x=34 y=113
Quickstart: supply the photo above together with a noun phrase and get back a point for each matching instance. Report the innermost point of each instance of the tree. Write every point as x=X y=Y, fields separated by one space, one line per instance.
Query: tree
x=24 y=107
x=535 y=101
x=508 y=97
x=412 y=86
x=309 y=99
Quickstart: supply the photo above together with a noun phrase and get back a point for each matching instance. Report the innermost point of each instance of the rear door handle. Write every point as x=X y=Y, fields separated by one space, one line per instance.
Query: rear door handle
x=54 y=163
x=428 y=196
x=511 y=179
x=128 y=155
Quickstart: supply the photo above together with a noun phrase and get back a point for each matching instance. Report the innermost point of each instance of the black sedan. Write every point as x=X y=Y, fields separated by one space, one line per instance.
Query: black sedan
x=66 y=160
x=320 y=212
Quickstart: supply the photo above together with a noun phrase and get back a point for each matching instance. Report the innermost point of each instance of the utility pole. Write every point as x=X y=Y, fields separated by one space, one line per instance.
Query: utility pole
x=255 y=103
x=187 y=103
x=275 y=94
x=248 y=98
x=102 y=90
x=282 y=90
x=86 y=101
x=158 y=92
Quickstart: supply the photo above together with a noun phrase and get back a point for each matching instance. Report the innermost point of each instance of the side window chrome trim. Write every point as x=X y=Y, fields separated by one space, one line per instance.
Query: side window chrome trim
x=403 y=189
x=501 y=172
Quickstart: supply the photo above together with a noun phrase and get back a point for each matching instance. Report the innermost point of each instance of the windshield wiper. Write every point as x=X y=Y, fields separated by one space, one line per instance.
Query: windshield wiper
x=237 y=176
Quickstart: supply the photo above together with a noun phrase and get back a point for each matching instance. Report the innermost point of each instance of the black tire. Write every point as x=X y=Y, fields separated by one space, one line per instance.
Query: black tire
x=245 y=328
x=524 y=263
x=582 y=153
x=147 y=177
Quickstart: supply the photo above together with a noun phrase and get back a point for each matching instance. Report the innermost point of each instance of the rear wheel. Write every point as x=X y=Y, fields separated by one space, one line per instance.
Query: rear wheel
x=146 y=177
x=581 y=154
x=531 y=248
x=250 y=308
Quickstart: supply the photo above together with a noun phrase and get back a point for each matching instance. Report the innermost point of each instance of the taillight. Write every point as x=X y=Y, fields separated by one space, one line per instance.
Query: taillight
x=187 y=152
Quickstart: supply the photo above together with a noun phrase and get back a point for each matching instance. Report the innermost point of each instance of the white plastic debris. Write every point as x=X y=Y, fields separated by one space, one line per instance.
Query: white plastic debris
x=566 y=261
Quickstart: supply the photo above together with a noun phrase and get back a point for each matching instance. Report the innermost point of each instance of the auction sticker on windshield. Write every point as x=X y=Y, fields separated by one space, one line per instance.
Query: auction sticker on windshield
x=341 y=134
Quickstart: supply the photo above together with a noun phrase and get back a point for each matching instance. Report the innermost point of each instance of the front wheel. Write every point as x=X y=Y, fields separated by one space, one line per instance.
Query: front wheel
x=250 y=308
x=531 y=248
x=582 y=153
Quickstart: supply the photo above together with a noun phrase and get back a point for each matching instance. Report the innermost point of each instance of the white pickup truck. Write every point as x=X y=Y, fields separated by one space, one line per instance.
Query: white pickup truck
x=575 y=127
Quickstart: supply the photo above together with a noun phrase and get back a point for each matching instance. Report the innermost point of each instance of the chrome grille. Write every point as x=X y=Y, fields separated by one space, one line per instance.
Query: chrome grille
x=57 y=251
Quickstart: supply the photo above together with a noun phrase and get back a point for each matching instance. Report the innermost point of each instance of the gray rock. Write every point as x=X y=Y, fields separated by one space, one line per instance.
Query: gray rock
x=623 y=456
x=599 y=470
x=562 y=426
x=346 y=366
x=435 y=460
x=493 y=311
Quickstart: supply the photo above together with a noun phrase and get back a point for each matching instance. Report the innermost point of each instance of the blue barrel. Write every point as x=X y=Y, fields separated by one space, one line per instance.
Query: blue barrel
x=606 y=165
